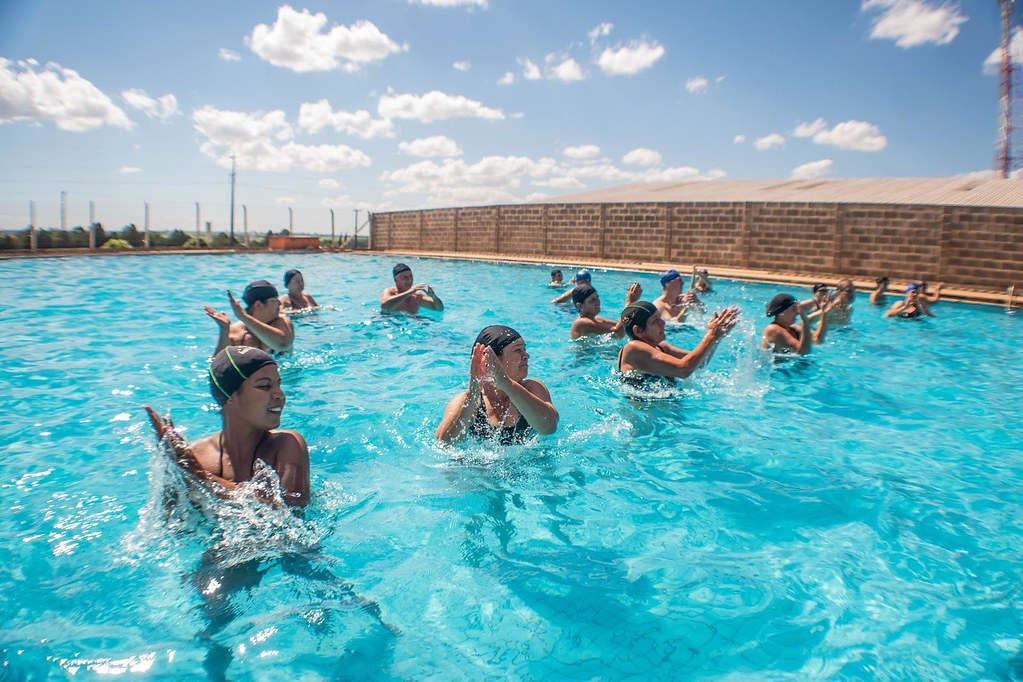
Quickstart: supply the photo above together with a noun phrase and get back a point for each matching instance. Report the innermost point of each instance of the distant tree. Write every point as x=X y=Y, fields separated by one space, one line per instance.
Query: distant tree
x=130 y=234
x=79 y=237
x=176 y=238
x=192 y=243
x=221 y=241
x=101 y=234
x=116 y=244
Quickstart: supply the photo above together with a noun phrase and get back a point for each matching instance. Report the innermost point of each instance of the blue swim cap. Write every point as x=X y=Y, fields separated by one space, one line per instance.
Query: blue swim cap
x=912 y=286
x=583 y=275
x=668 y=276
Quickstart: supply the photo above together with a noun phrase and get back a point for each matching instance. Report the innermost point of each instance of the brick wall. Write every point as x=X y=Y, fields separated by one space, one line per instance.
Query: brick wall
x=967 y=247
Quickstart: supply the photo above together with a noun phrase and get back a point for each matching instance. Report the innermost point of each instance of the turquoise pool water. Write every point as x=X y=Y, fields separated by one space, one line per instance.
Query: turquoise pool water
x=857 y=514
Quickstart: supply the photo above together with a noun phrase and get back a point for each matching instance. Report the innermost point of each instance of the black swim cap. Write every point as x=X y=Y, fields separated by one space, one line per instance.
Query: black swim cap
x=637 y=314
x=580 y=294
x=400 y=268
x=497 y=336
x=780 y=304
x=819 y=286
x=260 y=290
x=231 y=367
x=289 y=274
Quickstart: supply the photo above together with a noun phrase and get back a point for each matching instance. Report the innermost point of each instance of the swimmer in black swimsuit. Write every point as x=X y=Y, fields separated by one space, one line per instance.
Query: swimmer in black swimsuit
x=247 y=385
x=912 y=307
x=500 y=402
x=649 y=353
x=785 y=336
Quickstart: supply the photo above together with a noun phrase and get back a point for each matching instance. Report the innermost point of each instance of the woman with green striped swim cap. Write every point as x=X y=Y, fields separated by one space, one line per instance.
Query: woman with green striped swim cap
x=246 y=384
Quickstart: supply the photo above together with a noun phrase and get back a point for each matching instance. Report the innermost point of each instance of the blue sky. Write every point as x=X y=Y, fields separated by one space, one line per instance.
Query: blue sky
x=394 y=104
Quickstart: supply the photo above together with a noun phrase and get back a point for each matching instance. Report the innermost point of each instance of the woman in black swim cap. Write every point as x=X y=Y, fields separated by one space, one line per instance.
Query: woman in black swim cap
x=500 y=400
x=649 y=353
x=296 y=298
x=784 y=335
x=246 y=384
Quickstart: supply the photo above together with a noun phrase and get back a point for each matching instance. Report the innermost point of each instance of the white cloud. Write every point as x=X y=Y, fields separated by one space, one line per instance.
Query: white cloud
x=297 y=41
x=434 y=106
x=719 y=79
x=264 y=142
x=530 y=71
x=568 y=70
x=336 y=201
x=462 y=66
x=630 y=59
x=507 y=79
x=451 y=3
x=437 y=145
x=697 y=85
x=739 y=139
x=229 y=55
x=856 y=135
x=129 y=169
x=600 y=31
x=29 y=92
x=814 y=169
x=915 y=22
x=583 y=151
x=682 y=174
x=285 y=201
x=642 y=157
x=330 y=184
x=993 y=64
x=315 y=116
x=810 y=129
x=162 y=109
x=769 y=141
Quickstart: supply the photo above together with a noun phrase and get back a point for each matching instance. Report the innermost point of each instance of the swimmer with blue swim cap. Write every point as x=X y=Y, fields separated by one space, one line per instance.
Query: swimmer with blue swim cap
x=296 y=299
x=501 y=402
x=648 y=352
x=582 y=277
x=672 y=304
x=260 y=323
x=913 y=306
x=246 y=383
x=406 y=298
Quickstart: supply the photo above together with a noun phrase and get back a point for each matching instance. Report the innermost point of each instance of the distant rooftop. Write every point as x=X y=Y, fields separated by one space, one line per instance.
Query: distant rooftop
x=933 y=191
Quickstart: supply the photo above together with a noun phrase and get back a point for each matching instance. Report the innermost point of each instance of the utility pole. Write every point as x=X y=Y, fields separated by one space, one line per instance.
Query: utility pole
x=291 y=220
x=32 y=240
x=232 y=198
x=145 y=239
x=92 y=224
x=63 y=211
x=333 y=242
x=245 y=221
x=1005 y=152
x=198 y=217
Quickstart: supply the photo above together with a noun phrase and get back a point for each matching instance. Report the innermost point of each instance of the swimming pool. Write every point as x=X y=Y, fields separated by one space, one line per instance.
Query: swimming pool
x=855 y=514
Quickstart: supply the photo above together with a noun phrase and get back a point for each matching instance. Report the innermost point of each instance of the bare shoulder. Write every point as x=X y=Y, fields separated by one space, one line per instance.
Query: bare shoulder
x=207 y=452
x=288 y=443
x=537 y=388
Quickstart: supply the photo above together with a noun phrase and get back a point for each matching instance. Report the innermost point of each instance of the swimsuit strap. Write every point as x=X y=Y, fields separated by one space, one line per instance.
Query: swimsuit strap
x=220 y=444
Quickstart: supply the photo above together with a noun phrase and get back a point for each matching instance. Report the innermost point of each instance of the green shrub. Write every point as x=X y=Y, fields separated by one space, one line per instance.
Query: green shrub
x=192 y=243
x=116 y=244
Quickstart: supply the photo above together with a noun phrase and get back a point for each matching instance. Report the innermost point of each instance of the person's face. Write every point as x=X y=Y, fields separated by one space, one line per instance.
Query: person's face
x=673 y=288
x=787 y=316
x=259 y=401
x=653 y=333
x=515 y=360
x=296 y=283
x=266 y=310
x=557 y=277
x=848 y=293
x=403 y=281
x=912 y=295
x=591 y=306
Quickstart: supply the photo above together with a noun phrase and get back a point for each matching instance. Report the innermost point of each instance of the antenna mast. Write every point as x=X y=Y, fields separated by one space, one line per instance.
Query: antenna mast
x=232 y=198
x=1005 y=144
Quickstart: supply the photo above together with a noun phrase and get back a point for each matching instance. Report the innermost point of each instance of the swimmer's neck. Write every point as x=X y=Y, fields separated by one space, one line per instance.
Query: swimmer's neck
x=239 y=446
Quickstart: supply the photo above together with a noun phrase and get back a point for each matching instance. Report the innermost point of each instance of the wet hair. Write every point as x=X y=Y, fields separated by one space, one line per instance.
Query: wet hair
x=231 y=367
x=780 y=304
x=819 y=286
x=400 y=268
x=556 y=274
x=882 y=278
x=260 y=290
x=580 y=294
x=637 y=315
x=583 y=276
x=497 y=336
x=289 y=274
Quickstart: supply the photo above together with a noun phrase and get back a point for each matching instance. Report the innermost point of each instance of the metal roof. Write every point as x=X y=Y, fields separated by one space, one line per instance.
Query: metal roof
x=962 y=191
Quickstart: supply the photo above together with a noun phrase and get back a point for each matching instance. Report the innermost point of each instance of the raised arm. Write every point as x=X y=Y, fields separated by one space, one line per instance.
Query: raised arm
x=822 y=324
x=531 y=398
x=390 y=302
x=177 y=448
x=431 y=300
x=564 y=297
x=462 y=409
x=279 y=336
x=632 y=295
x=667 y=360
x=220 y=317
